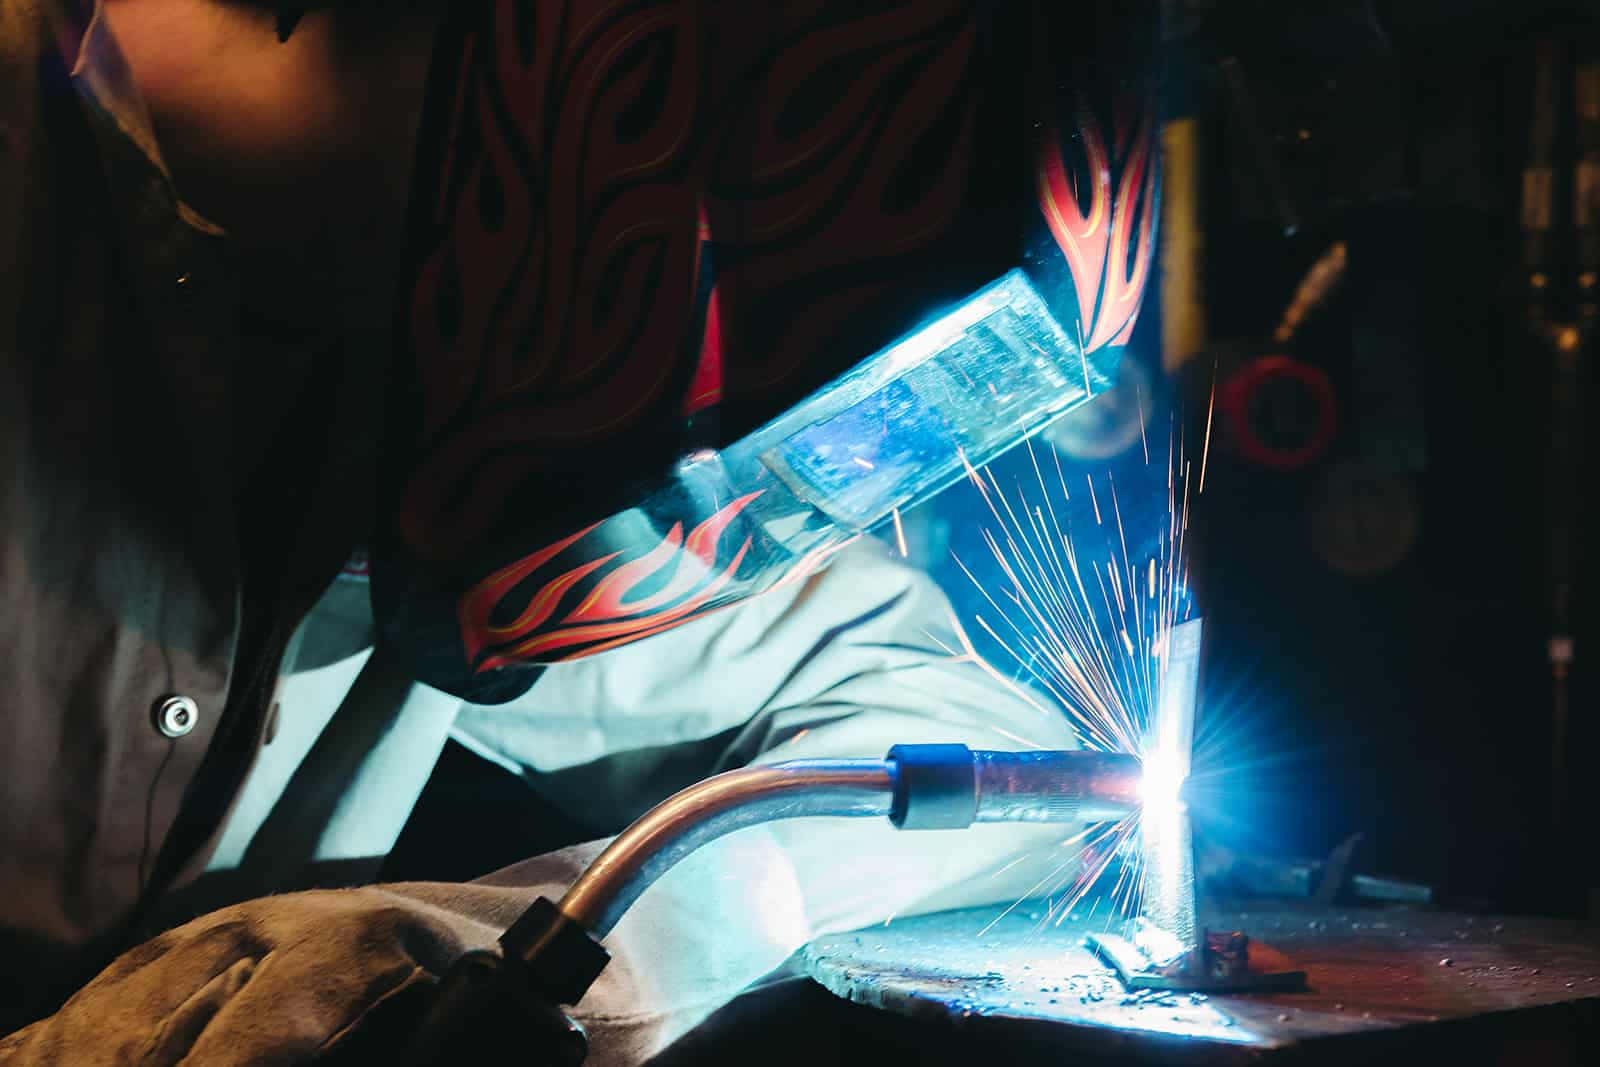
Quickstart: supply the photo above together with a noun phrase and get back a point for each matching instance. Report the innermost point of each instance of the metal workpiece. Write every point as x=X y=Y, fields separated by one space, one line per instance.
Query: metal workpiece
x=714 y=808
x=1164 y=948
x=1165 y=840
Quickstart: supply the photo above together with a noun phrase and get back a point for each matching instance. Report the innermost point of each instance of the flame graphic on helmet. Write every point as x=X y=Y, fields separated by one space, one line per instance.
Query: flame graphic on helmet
x=687 y=569
x=1099 y=243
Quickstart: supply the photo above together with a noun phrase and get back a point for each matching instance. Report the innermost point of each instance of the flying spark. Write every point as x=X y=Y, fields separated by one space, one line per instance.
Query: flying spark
x=1086 y=620
x=1211 y=407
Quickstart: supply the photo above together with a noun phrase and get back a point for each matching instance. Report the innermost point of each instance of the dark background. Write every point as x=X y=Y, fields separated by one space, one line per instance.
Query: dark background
x=1417 y=696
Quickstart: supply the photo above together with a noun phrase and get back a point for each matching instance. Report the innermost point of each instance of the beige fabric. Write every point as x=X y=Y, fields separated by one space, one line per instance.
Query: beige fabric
x=858 y=657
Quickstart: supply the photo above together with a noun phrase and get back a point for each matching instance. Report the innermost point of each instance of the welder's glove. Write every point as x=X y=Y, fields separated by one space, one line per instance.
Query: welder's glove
x=306 y=977
x=267 y=981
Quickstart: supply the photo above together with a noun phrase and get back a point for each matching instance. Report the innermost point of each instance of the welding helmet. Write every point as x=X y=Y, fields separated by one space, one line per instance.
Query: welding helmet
x=697 y=293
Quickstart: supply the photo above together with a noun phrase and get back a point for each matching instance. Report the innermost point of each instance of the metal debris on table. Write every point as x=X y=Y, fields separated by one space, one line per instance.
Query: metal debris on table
x=1221 y=962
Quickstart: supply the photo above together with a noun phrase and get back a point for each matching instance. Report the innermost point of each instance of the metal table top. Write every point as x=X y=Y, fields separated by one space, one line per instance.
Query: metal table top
x=1372 y=973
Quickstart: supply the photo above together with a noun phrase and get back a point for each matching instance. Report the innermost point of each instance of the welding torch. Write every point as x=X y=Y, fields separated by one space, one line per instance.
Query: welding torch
x=509 y=1002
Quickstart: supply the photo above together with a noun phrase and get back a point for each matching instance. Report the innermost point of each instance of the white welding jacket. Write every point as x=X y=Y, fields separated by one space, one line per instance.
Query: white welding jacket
x=859 y=657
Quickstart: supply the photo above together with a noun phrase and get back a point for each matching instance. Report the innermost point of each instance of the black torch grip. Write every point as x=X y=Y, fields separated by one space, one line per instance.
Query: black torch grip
x=485 y=1010
x=505 y=1007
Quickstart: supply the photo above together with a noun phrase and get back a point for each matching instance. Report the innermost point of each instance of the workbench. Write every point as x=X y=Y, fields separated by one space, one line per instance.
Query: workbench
x=1385 y=987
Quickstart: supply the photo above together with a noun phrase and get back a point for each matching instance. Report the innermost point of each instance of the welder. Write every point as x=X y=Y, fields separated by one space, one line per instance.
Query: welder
x=471 y=298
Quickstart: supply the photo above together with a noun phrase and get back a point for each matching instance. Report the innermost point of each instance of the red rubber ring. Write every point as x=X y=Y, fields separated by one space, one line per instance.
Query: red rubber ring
x=1242 y=388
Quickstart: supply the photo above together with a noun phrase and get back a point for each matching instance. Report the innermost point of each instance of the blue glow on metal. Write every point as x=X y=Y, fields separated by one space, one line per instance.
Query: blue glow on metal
x=1167 y=846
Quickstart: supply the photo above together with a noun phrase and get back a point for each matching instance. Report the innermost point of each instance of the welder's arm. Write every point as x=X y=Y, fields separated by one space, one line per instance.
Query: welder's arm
x=845 y=665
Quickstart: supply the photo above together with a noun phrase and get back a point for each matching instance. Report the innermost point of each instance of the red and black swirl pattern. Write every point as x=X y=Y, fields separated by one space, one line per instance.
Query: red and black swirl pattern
x=555 y=308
